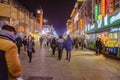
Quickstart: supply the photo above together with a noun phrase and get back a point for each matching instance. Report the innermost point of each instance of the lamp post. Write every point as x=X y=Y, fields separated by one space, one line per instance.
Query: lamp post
x=40 y=18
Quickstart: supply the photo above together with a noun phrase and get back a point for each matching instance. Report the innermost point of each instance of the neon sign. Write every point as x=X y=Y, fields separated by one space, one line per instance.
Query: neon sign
x=115 y=18
x=103 y=7
x=106 y=20
x=99 y=22
x=96 y=12
x=81 y=23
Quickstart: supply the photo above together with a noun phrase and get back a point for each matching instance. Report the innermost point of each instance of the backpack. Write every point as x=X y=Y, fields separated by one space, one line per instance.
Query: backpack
x=25 y=41
x=53 y=44
x=60 y=46
x=3 y=66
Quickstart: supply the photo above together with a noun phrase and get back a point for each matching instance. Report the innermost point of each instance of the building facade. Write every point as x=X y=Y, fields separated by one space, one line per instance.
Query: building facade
x=15 y=14
x=99 y=18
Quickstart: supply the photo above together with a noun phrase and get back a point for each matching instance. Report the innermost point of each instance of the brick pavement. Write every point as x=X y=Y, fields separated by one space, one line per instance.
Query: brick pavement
x=84 y=65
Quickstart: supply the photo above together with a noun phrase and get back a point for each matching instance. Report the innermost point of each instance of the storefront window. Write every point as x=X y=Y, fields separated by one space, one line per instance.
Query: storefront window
x=110 y=36
x=103 y=36
x=115 y=36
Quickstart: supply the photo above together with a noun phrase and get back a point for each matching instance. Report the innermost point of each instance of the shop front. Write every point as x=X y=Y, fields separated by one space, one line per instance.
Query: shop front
x=108 y=29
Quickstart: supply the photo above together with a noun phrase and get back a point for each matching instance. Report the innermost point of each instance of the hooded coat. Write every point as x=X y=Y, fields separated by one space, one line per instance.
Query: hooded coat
x=11 y=55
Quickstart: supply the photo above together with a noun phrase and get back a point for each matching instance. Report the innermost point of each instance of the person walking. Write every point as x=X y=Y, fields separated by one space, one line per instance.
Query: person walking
x=68 y=47
x=25 y=43
x=18 y=43
x=10 y=65
x=98 y=46
x=30 y=45
x=82 y=43
x=76 y=42
x=60 y=44
x=53 y=45
x=41 y=40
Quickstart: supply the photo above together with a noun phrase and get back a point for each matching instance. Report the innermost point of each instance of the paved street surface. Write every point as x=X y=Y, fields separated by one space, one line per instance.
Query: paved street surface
x=84 y=65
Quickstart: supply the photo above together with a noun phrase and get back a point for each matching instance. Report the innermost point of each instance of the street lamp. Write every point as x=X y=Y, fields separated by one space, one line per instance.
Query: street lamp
x=40 y=18
x=38 y=11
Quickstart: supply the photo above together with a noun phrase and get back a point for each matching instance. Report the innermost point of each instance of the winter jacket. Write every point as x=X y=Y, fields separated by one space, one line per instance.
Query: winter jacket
x=60 y=43
x=11 y=55
x=18 y=42
x=68 y=44
x=30 y=45
x=54 y=44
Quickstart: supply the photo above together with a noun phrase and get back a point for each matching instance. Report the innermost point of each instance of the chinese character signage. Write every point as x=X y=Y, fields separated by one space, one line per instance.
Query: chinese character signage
x=96 y=12
x=103 y=7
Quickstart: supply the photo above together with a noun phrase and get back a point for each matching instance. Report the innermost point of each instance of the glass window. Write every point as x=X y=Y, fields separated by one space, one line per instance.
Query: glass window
x=115 y=36
x=110 y=36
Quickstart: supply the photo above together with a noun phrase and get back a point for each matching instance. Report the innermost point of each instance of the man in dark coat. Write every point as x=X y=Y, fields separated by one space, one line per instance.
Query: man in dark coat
x=18 y=43
x=98 y=46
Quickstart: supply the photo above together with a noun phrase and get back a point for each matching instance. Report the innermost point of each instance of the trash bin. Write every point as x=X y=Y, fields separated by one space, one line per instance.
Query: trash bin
x=115 y=51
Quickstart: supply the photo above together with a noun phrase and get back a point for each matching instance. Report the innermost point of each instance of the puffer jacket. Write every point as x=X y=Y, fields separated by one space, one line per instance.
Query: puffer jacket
x=11 y=56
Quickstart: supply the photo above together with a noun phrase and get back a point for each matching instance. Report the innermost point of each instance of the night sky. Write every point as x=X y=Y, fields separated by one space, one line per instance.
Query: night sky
x=55 y=11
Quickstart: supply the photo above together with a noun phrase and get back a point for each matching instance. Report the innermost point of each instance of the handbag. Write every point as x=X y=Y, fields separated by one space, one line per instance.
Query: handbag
x=33 y=50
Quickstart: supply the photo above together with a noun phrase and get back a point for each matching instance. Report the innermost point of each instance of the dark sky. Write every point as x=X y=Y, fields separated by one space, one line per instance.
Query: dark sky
x=56 y=11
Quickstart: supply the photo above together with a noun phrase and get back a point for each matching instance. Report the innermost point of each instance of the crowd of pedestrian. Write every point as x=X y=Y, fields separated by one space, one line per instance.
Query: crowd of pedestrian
x=59 y=44
x=28 y=44
x=10 y=65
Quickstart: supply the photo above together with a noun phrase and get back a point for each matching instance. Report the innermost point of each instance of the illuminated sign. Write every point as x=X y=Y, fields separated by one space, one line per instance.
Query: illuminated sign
x=115 y=18
x=99 y=22
x=76 y=18
x=103 y=7
x=107 y=6
x=89 y=27
x=100 y=17
x=106 y=20
x=81 y=23
x=96 y=12
x=80 y=0
x=114 y=29
x=111 y=5
x=92 y=27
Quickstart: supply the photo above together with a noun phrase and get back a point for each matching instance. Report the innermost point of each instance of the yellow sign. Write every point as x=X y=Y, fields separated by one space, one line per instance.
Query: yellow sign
x=100 y=17
x=81 y=23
